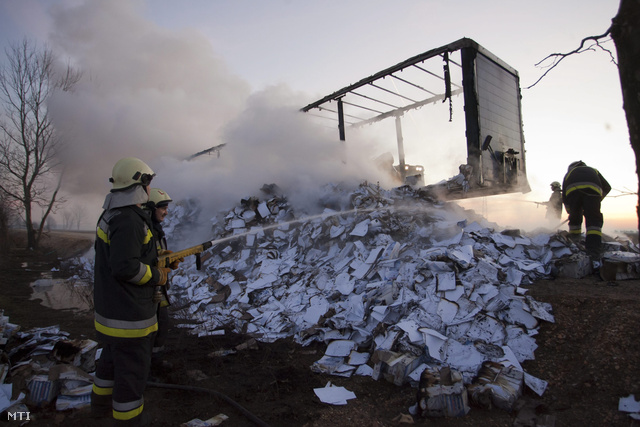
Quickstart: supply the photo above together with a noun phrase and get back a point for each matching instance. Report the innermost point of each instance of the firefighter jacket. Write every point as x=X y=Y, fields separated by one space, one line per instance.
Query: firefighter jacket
x=554 y=205
x=125 y=274
x=161 y=240
x=584 y=179
x=161 y=246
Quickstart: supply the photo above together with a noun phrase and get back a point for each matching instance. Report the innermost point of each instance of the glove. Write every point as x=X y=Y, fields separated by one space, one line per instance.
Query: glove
x=174 y=264
x=164 y=275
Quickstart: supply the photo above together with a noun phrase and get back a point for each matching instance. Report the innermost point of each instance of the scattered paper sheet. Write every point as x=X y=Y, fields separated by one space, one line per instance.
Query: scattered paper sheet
x=629 y=404
x=334 y=395
x=535 y=384
x=5 y=397
x=340 y=348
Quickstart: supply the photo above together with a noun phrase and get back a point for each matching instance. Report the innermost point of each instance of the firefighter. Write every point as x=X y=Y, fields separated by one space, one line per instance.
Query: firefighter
x=583 y=189
x=158 y=206
x=124 y=282
x=554 y=205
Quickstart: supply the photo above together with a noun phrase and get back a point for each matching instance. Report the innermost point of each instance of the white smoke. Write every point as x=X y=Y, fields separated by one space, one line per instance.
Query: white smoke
x=163 y=95
x=271 y=141
x=146 y=91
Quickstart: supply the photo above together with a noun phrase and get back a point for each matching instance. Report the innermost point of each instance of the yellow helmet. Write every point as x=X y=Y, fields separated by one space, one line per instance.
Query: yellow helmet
x=130 y=171
x=159 y=198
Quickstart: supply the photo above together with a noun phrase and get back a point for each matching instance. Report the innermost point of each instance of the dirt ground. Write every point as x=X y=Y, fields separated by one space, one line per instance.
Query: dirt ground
x=590 y=357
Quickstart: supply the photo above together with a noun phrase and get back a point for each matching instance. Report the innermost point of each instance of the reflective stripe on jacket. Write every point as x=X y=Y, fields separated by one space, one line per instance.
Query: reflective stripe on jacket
x=584 y=178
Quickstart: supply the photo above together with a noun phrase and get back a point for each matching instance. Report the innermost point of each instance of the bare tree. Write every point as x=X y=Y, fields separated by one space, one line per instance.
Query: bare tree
x=67 y=216
x=28 y=141
x=79 y=213
x=51 y=223
x=625 y=32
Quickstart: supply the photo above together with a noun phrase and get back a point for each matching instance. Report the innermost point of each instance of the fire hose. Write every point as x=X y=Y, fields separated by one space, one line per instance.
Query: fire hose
x=257 y=421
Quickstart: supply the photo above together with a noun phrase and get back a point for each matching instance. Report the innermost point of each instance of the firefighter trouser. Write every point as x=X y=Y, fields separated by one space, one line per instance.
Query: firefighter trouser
x=582 y=203
x=163 y=329
x=121 y=376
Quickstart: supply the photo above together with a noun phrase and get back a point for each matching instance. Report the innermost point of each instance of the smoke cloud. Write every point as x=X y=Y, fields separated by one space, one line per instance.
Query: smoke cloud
x=271 y=141
x=163 y=95
x=146 y=91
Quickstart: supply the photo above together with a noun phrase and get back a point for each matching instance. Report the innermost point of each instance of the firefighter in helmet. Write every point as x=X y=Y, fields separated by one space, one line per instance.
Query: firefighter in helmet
x=158 y=207
x=554 y=205
x=583 y=189
x=124 y=283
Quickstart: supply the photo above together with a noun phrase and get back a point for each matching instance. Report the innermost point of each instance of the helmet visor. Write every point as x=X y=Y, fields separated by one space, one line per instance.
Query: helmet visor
x=145 y=178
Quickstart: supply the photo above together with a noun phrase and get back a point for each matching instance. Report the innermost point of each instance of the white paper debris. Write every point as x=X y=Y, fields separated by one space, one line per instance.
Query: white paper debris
x=340 y=348
x=357 y=358
x=535 y=384
x=364 y=371
x=446 y=281
x=360 y=229
x=5 y=397
x=434 y=342
x=416 y=278
x=334 y=395
x=629 y=404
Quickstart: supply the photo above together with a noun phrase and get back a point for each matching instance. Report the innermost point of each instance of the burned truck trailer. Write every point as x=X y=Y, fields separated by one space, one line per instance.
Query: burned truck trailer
x=462 y=71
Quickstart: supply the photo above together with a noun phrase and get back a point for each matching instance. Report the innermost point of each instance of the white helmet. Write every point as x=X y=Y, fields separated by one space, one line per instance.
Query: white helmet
x=130 y=171
x=159 y=198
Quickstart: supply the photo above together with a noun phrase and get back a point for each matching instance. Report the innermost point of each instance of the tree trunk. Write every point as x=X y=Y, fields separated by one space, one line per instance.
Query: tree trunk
x=4 y=228
x=31 y=237
x=625 y=32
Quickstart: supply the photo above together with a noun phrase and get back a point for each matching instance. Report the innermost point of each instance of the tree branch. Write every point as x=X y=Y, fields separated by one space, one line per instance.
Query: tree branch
x=558 y=57
x=28 y=140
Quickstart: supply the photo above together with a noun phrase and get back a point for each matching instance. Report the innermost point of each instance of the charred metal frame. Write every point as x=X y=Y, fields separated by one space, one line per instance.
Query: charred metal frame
x=493 y=172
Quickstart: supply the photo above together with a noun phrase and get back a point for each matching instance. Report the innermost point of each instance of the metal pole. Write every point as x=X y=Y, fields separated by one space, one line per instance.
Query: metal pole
x=400 y=147
x=341 y=119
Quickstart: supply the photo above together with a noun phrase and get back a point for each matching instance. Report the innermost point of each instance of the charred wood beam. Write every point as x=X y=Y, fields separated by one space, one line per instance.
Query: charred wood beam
x=217 y=149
